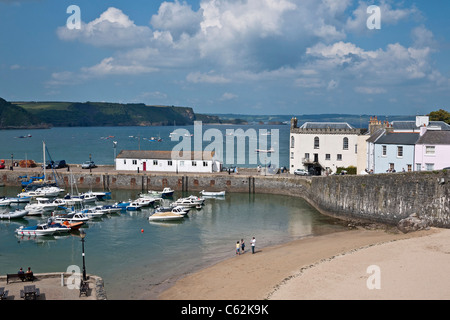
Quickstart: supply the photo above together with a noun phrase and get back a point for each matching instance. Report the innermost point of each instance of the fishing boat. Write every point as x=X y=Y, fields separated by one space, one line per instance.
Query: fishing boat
x=37 y=230
x=212 y=194
x=16 y=214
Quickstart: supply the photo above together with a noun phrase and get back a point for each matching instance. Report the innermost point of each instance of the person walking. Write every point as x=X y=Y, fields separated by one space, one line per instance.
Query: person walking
x=242 y=245
x=253 y=245
x=237 y=248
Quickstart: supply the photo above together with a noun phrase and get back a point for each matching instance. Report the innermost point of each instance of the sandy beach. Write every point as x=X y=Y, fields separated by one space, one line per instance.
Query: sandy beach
x=335 y=266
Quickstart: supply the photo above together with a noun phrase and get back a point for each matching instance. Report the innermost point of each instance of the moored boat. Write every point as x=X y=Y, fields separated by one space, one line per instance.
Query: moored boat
x=165 y=216
x=213 y=194
x=17 y=214
x=37 y=230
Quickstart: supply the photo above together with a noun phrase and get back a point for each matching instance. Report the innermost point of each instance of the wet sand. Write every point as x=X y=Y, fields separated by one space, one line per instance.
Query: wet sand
x=334 y=266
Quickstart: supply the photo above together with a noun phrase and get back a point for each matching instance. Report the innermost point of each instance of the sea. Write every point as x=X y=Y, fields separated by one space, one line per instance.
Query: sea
x=135 y=257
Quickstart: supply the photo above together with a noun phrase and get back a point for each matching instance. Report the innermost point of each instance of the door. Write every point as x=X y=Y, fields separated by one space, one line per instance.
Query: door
x=144 y=166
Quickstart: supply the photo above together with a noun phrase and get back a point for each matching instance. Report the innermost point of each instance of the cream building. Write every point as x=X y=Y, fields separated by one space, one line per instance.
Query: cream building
x=322 y=147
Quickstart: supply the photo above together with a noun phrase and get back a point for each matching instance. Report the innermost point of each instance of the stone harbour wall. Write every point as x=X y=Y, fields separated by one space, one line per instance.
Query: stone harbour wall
x=384 y=198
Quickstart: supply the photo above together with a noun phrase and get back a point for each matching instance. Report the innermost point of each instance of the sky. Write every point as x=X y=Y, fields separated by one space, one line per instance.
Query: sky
x=287 y=57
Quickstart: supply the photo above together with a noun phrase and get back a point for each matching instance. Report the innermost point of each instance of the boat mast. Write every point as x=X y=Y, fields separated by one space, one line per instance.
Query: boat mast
x=43 y=152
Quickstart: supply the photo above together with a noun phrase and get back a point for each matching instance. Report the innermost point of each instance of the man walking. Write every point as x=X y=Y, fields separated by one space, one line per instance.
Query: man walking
x=253 y=245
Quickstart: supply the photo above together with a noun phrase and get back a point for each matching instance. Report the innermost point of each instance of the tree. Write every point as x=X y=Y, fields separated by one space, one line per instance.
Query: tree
x=440 y=115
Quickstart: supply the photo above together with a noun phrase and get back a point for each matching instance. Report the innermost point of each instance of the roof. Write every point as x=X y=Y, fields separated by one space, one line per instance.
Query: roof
x=375 y=136
x=165 y=155
x=326 y=125
x=435 y=137
x=398 y=138
x=411 y=125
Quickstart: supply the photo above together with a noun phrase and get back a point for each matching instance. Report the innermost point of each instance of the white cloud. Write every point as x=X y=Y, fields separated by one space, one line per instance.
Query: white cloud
x=112 y=29
x=109 y=66
x=198 y=77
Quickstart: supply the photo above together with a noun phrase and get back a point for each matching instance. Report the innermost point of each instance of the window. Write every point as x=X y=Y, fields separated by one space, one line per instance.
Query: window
x=155 y=162
x=169 y=163
x=409 y=167
x=292 y=155
x=418 y=167
x=327 y=156
x=307 y=156
x=205 y=164
x=292 y=141
x=316 y=143
x=134 y=161
x=339 y=157
x=194 y=163
x=124 y=161
x=430 y=166
x=400 y=152
x=384 y=151
x=181 y=163
x=429 y=150
x=345 y=144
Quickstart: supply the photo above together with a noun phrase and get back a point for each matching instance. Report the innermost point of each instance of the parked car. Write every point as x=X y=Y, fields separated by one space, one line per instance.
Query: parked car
x=56 y=164
x=2 y=164
x=301 y=172
x=88 y=165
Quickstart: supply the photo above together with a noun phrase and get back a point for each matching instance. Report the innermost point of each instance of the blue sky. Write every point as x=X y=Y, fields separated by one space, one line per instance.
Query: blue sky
x=230 y=56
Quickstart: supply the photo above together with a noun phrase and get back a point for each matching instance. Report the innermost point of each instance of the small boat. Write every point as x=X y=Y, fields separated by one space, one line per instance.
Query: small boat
x=5 y=202
x=166 y=193
x=59 y=227
x=73 y=225
x=42 y=192
x=108 y=209
x=72 y=217
x=188 y=202
x=42 y=203
x=175 y=209
x=92 y=213
x=145 y=202
x=19 y=200
x=38 y=230
x=134 y=206
x=17 y=214
x=165 y=216
x=98 y=194
x=212 y=194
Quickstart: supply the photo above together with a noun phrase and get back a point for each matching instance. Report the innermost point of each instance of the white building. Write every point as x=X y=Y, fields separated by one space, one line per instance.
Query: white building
x=164 y=161
x=321 y=147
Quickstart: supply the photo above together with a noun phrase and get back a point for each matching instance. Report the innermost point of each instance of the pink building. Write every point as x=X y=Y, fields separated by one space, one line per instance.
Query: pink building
x=432 y=151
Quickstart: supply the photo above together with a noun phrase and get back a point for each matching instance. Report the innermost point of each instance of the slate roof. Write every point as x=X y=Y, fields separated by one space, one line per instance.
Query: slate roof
x=406 y=138
x=411 y=125
x=326 y=125
x=434 y=137
x=374 y=137
x=164 y=155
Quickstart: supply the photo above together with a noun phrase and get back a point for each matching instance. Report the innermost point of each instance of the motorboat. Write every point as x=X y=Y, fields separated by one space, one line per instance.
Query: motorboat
x=82 y=198
x=145 y=202
x=186 y=202
x=175 y=209
x=5 y=202
x=92 y=213
x=42 y=192
x=100 y=195
x=73 y=225
x=37 y=230
x=108 y=209
x=19 y=200
x=212 y=194
x=59 y=227
x=165 y=216
x=42 y=203
x=72 y=217
x=16 y=214
x=198 y=200
x=165 y=193
x=134 y=206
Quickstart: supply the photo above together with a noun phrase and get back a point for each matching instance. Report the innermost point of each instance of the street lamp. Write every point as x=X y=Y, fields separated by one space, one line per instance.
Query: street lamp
x=83 y=235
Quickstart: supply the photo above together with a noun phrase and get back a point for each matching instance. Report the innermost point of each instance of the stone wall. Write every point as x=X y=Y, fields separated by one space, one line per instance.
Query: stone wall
x=384 y=198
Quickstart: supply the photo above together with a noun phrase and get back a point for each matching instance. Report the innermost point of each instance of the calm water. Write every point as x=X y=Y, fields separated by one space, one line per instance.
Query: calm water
x=116 y=249
x=76 y=144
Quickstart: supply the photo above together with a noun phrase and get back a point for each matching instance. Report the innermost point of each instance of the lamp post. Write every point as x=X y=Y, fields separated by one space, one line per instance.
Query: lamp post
x=83 y=235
